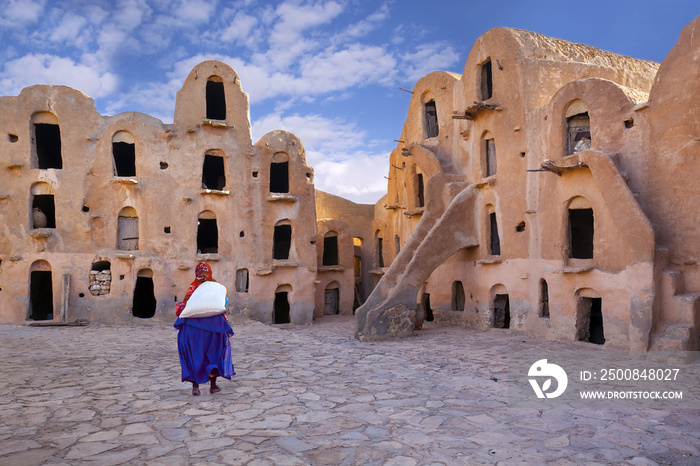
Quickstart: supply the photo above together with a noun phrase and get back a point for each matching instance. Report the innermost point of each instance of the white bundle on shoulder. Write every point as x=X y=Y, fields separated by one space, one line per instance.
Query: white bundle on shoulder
x=209 y=299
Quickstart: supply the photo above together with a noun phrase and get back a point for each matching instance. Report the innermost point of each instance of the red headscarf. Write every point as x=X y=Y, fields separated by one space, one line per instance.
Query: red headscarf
x=202 y=274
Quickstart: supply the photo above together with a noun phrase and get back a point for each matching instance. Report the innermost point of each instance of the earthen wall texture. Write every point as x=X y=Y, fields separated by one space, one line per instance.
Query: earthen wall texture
x=501 y=183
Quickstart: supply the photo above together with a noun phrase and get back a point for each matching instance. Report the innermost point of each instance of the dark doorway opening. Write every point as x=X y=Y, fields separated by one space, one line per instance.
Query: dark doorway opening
x=279 y=177
x=281 y=308
x=425 y=301
x=282 y=241
x=486 y=81
x=330 y=301
x=48 y=145
x=216 y=101
x=144 y=304
x=380 y=252
x=581 y=233
x=124 y=158
x=45 y=203
x=213 y=174
x=458 y=297
x=330 y=250
x=544 y=298
x=40 y=295
x=495 y=242
x=431 y=120
x=207 y=236
x=589 y=321
x=501 y=311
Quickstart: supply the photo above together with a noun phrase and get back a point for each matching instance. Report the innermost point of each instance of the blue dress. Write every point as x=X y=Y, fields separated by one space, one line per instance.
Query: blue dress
x=204 y=345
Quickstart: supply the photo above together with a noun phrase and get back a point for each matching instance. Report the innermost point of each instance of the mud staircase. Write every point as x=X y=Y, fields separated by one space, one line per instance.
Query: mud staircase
x=680 y=328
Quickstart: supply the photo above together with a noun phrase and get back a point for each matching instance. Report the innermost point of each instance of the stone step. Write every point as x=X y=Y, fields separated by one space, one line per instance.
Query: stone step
x=688 y=305
x=674 y=337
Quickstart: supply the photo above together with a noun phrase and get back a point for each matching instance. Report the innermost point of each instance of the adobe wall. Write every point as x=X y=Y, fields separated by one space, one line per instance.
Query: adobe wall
x=172 y=193
x=536 y=84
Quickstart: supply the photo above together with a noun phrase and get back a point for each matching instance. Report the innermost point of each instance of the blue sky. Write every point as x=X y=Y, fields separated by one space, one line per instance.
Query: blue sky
x=327 y=70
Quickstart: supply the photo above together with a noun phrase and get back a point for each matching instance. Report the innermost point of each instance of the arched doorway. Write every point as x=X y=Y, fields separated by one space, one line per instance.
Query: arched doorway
x=40 y=291
x=144 y=303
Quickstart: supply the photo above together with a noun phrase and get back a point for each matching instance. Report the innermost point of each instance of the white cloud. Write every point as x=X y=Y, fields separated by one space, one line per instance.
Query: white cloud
x=71 y=30
x=428 y=58
x=240 y=29
x=17 y=13
x=195 y=11
x=336 y=151
x=49 y=69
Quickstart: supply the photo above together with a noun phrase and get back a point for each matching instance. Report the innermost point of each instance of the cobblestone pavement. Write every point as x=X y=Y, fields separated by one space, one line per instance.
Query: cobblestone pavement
x=314 y=395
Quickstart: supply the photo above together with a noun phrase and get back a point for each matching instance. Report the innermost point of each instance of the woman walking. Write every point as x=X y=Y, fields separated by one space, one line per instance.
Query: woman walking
x=203 y=343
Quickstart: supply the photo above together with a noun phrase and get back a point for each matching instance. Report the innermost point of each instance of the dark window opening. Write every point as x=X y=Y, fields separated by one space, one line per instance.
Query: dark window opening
x=420 y=191
x=48 y=145
x=12 y=137
x=282 y=242
x=101 y=266
x=213 y=174
x=216 y=101
x=163 y=165
x=279 y=177
x=581 y=233
x=281 y=311
x=241 y=234
x=124 y=159
x=544 y=299
x=40 y=295
x=380 y=252
x=242 y=278
x=86 y=208
x=331 y=298
x=495 y=242
x=207 y=236
x=431 y=121
x=520 y=227
x=144 y=304
x=255 y=174
x=166 y=230
x=579 y=133
x=128 y=233
x=501 y=311
x=330 y=250
x=629 y=122
x=458 y=298
x=43 y=211
x=589 y=321
x=486 y=81
x=425 y=301
x=491 y=165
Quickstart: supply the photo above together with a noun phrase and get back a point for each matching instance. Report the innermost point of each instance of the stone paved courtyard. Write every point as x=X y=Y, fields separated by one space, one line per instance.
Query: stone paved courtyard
x=112 y=395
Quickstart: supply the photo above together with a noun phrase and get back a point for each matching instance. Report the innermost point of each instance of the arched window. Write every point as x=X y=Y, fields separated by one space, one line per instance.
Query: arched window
x=279 y=173
x=486 y=80
x=46 y=147
x=330 y=248
x=282 y=240
x=43 y=213
x=123 y=154
x=581 y=229
x=380 y=248
x=420 y=190
x=207 y=233
x=494 y=239
x=431 y=121
x=578 y=124
x=488 y=146
x=213 y=172
x=216 y=98
x=128 y=230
